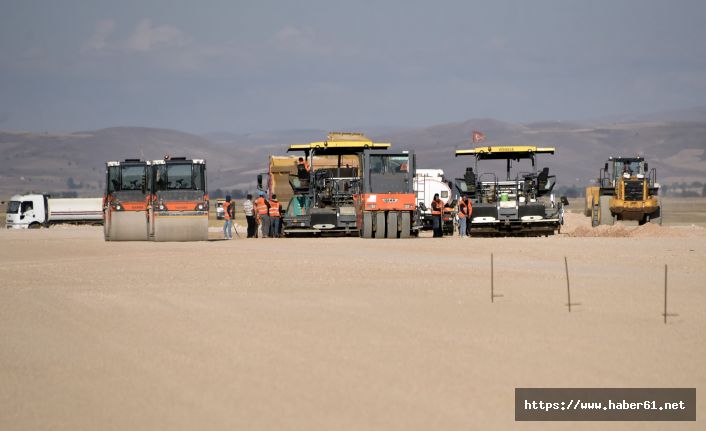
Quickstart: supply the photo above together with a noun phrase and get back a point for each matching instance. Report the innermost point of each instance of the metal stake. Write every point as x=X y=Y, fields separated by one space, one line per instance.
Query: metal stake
x=568 y=288
x=665 y=294
x=492 y=294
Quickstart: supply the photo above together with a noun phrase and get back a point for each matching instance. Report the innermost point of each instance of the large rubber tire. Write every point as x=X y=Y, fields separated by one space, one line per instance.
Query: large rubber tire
x=595 y=214
x=34 y=225
x=657 y=215
x=367 y=230
x=606 y=216
x=380 y=224
x=405 y=224
x=392 y=224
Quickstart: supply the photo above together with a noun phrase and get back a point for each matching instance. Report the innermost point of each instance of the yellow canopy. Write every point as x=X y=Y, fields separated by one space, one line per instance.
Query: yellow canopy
x=341 y=142
x=506 y=152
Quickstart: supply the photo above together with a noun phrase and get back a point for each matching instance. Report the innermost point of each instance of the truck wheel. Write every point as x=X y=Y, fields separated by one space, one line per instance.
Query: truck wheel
x=367 y=231
x=405 y=224
x=392 y=224
x=380 y=224
x=606 y=217
x=34 y=225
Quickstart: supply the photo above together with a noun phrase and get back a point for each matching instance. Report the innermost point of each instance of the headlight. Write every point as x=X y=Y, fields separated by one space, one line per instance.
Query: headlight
x=200 y=207
x=118 y=207
x=161 y=207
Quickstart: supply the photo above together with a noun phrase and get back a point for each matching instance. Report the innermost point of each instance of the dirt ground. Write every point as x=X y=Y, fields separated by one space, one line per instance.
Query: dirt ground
x=341 y=333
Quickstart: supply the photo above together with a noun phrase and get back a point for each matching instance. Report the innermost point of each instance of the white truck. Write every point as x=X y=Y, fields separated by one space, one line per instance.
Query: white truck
x=427 y=183
x=34 y=211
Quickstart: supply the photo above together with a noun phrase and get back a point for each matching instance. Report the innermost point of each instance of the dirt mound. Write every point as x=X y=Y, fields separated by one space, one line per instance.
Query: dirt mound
x=619 y=230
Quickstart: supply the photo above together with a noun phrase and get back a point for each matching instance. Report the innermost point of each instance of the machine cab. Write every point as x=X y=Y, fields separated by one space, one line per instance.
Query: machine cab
x=126 y=184
x=385 y=172
x=179 y=184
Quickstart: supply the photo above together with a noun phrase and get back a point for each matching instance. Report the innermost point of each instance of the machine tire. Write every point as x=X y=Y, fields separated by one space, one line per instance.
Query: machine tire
x=657 y=217
x=595 y=214
x=606 y=217
x=392 y=224
x=367 y=231
x=34 y=225
x=405 y=224
x=380 y=224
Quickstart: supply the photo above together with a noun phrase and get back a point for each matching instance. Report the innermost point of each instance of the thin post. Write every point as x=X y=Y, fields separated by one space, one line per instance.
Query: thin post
x=492 y=293
x=665 y=294
x=568 y=288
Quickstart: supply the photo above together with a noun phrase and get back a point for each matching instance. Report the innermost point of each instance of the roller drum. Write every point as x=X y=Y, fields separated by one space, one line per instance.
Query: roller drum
x=127 y=226
x=181 y=228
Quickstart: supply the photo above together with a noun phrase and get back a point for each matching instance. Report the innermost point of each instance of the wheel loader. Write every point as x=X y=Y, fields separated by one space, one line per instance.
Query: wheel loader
x=626 y=190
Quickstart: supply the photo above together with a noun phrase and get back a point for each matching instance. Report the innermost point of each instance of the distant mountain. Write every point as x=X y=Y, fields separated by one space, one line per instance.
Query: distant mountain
x=46 y=162
x=676 y=149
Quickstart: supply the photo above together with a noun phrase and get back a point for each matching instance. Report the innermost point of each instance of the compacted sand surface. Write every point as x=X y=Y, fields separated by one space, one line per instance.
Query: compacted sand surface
x=339 y=333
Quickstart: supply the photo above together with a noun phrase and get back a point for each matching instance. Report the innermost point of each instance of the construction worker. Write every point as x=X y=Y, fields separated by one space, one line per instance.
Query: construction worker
x=462 y=216
x=249 y=210
x=263 y=216
x=437 y=208
x=304 y=163
x=274 y=217
x=469 y=209
x=228 y=224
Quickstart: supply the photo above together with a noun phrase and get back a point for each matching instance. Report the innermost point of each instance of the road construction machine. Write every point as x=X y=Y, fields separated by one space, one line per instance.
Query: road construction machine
x=626 y=190
x=367 y=192
x=523 y=205
x=179 y=200
x=127 y=200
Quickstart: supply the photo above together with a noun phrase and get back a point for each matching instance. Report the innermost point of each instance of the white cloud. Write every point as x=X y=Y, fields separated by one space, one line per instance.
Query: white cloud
x=99 y=39
x=301 y=41
x=147 y=37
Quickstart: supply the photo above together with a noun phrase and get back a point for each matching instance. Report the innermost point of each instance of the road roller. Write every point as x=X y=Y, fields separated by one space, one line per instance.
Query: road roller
x=179 y=200
x=126 y=200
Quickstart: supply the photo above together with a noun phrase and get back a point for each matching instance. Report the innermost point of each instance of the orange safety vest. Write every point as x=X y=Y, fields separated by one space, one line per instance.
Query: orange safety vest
x=226 y=210
x=436 y=206
x=261 y=206
x=461 y=209
x=274 y=208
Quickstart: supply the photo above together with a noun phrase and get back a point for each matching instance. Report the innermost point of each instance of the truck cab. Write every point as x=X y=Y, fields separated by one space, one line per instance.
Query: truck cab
x=26 y=211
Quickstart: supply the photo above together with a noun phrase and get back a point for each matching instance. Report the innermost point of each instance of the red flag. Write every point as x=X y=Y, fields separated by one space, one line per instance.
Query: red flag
x=478 y=137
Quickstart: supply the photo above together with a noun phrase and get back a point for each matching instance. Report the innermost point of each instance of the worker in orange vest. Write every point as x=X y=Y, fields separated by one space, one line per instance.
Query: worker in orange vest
x=469 y=209
x=263 y=215
x=437 y=208
x=462 y=215
x=228 y=225
x=274 y=214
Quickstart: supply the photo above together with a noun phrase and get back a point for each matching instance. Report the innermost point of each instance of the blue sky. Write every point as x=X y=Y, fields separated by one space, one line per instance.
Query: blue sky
x=248 y=66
